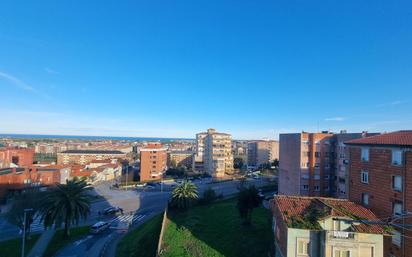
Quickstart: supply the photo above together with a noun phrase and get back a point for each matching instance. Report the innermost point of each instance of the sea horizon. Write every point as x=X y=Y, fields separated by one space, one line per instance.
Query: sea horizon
x=81 y=137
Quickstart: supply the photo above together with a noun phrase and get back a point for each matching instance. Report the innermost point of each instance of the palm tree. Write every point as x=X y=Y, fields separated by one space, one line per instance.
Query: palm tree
x=66 y=204
x=184 y=194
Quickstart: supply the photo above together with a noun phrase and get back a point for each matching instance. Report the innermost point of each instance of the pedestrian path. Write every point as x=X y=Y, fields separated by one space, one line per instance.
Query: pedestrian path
x=127 y=218
x=40 y=247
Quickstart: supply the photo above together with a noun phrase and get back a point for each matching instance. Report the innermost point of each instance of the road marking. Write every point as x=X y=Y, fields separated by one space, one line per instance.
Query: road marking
x=78 y=242
x=128 y=218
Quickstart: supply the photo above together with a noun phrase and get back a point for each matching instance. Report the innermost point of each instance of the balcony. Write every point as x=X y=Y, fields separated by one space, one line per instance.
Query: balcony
x=341 y=235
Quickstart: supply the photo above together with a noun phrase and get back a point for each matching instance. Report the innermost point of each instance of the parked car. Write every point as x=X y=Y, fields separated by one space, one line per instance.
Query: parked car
x=112 y=210
x=99 y=227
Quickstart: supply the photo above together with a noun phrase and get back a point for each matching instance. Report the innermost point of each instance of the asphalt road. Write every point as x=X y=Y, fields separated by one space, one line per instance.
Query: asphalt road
x=138 y=206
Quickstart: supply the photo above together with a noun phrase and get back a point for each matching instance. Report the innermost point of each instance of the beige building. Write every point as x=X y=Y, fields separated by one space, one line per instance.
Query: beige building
x=86 y=156
x=262 y=152
x=213 y=153
x=180 y=158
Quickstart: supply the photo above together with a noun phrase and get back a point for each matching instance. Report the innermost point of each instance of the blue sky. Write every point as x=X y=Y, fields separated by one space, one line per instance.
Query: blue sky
x=173 y=68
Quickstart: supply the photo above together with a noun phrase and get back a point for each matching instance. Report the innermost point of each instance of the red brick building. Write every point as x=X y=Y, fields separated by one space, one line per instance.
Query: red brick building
x=381 y=180
x=153 y=160
x=22 y=157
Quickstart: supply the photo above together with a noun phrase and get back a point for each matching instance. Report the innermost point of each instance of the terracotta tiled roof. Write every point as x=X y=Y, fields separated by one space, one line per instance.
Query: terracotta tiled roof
x=398 y=138
x=297 y=206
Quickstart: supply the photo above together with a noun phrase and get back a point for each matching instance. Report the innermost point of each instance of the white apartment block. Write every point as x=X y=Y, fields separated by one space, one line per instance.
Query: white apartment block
x=213 y=153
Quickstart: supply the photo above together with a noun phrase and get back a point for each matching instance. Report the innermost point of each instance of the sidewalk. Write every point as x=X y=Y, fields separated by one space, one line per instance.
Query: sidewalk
x=41 y=244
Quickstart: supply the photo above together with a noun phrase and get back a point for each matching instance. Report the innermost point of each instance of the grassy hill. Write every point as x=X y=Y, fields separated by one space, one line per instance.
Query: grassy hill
x=216 y=230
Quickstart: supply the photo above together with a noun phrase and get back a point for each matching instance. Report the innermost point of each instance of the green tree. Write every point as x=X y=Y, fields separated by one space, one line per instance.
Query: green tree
x=238 y=163
x=29 y=199
x=173 y=164
x=248 y=199
x=66 y=204
x=275 y=163
x=209 y=196
x=184 y=194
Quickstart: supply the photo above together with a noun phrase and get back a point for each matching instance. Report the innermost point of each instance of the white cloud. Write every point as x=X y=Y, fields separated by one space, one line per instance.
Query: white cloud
x=393 y=103
x=335 y=119
x=16 y=82
x=51 y=71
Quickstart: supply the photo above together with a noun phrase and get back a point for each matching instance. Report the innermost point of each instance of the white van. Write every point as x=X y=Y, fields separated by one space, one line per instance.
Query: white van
x=99 y=226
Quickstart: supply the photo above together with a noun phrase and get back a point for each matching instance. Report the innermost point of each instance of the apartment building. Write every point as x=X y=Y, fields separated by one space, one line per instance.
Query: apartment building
x=153 y=159
x=86 y=156
x=380 y=173
x=305 y=164
x=214 y=151
x=315 y=164
x=16 y=156
x=340 y=163
x=181 y=158
x=324 y=227
x=262 y=152
x=198 y=156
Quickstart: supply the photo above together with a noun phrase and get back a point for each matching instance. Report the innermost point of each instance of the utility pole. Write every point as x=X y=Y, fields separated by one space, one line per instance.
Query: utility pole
x=127 y=175
x=24 y=231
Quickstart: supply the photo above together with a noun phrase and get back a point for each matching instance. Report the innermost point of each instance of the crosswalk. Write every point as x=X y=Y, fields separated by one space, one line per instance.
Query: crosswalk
x=37 y=225
x=127 y=218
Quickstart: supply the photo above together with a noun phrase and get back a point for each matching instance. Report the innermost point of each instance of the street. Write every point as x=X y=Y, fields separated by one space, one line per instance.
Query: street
x=138 y=206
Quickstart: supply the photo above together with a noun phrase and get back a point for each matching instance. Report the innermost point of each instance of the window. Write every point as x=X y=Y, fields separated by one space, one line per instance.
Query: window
x=336 y=225
x=341 y=253
x=396 y=238
x=365 y=177
x=365 y=199
x=317 y=177
x=317 y=154
x=317 y=165
x=396 y=157
x=317 y=188
x=397 y=208
x=326 y=177
x=303 y=247
x=397 y=183
x=365 y=154
x=305 y=187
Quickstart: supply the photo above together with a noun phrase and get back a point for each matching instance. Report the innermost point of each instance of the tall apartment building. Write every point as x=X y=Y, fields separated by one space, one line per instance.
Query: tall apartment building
x=340 y=163
x=315 y=164
x=213 y=153
x=153 y=159
x=381 y=179
x=262 y=152
x=304 y=167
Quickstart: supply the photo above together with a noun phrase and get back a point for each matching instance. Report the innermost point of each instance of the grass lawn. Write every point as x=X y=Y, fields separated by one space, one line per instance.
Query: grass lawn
x=141 y=241
x=12 y=248
x=58 y=242
x=216 y=230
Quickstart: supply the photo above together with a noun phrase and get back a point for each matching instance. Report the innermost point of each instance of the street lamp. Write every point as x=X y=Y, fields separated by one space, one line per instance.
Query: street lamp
x=24 y=231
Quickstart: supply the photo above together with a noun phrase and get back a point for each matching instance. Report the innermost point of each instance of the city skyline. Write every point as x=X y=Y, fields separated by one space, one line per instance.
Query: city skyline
x=171 y=70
